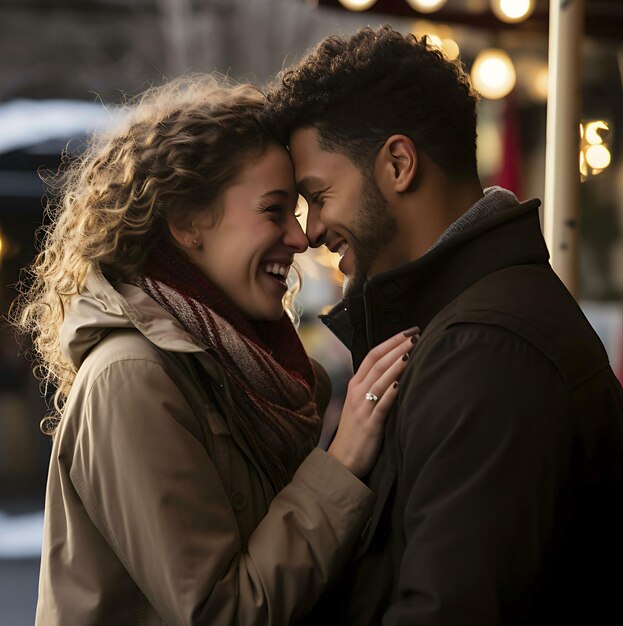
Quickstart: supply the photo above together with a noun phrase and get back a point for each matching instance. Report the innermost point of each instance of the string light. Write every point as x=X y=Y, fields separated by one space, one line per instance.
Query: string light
x=357 y=5
x=426 y=6
x=512 y=11
x=493 y=73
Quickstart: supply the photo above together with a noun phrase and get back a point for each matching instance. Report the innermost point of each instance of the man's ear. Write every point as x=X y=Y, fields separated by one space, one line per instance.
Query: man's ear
x=397 y=164
x=184 y=232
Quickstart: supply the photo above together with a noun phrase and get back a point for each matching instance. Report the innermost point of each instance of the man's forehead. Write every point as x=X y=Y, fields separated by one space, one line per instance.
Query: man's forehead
x=304 y=145
x=306 y=134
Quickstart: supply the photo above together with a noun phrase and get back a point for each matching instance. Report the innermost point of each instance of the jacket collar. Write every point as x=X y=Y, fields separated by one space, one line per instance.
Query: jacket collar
x=414 y=293
x=99 y=308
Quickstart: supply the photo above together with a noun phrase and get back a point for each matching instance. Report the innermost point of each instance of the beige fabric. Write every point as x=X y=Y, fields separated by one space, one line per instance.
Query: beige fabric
x=155 y=511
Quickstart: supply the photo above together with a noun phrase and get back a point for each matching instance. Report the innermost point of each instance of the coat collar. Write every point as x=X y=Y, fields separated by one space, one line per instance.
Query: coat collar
x=414 y=293
x=100 y=308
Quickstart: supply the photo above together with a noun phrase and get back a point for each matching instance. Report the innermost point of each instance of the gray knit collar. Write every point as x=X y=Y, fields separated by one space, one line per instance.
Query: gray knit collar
x=494 y=201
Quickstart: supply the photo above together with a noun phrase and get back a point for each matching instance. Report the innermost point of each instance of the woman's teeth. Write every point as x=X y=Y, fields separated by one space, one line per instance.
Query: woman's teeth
x=342 y=249
x=277 y=269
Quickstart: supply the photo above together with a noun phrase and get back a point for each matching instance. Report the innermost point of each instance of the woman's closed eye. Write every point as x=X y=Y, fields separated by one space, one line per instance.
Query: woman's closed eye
x=279 y=212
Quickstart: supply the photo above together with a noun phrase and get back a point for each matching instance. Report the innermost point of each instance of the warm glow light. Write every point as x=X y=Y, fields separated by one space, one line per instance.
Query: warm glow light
x=540 y=84
x=450 y=48
x=594 y=154
x=591 y=134
x=476 y=6
x=532 y=76
x=424 y=27
x=357 y=5
x=426 y=6
x=583 y=166
x=598 y=157
x=493 y=74
x=435 y=40
x=512 y=11
x=302 y=209
x=439 y=35
x=489 y=147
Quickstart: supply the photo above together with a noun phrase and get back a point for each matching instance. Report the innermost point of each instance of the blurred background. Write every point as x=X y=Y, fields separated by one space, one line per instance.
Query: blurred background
x=65 y=64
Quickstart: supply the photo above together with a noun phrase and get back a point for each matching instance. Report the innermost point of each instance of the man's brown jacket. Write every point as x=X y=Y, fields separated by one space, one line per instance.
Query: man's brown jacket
x=500 y=483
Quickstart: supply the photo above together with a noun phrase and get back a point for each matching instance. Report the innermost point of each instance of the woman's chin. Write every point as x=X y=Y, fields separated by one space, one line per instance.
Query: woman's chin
x=265 y=312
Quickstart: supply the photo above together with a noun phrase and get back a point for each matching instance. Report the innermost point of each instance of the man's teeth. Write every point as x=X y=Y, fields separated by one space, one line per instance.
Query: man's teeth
x=275 y=268
x=342 y=249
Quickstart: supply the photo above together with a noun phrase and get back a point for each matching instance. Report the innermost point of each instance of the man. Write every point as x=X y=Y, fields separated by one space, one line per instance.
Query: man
x=500 y=482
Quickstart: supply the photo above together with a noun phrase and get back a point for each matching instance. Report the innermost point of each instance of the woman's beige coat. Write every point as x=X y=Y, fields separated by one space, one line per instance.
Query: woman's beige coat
x=156 y=513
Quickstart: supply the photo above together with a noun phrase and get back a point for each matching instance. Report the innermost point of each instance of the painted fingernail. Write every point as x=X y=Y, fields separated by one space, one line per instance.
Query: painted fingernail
x=415 y=338
x=405 y=357
x=415 y=330
x=395 y=385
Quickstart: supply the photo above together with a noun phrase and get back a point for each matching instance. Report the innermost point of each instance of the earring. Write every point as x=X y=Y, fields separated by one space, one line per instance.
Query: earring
x=194 y=242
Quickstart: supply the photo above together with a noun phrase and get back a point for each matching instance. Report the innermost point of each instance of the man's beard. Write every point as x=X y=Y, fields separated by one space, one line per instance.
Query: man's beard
x=373 y=228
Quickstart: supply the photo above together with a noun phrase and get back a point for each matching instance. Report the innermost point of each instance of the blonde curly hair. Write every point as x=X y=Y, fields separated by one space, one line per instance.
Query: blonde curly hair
x=177 y=148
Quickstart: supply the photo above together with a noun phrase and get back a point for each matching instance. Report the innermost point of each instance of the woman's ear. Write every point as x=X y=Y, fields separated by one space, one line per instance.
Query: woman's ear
x=397 y=163
x=184 y=232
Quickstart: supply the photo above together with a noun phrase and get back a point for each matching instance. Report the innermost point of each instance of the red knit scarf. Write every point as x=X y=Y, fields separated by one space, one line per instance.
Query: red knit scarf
x=270 y=375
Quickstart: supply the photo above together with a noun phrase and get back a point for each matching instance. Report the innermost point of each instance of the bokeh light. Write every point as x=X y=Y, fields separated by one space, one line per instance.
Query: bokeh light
x=357 y=5
x=512 y=11
x=598 y=157
x=450 y=48
x=591 y=132
x=595 y=156
x=426 y=6
x=493 y=73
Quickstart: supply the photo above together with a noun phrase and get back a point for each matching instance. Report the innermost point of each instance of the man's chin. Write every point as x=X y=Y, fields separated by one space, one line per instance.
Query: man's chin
x=353 y=285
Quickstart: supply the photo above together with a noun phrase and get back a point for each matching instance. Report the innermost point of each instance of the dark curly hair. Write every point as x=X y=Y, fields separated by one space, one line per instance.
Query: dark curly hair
x=359 y=91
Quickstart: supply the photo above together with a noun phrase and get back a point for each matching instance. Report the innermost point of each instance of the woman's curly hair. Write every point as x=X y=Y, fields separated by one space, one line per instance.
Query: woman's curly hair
x=178 y=146
x=359 y=91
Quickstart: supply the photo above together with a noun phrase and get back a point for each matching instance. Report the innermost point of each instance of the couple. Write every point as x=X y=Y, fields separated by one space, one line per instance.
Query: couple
x=476 y=475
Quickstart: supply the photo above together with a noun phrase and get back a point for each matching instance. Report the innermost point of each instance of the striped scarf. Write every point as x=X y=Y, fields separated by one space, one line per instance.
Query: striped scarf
x=270 y=375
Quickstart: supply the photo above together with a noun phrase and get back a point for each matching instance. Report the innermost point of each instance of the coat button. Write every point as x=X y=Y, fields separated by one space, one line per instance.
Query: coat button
x=392 y=315
x=390 y=288
x=238 y=500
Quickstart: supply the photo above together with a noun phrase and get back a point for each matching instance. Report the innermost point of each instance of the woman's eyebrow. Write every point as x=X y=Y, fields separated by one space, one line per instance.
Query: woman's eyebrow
x=282 y=193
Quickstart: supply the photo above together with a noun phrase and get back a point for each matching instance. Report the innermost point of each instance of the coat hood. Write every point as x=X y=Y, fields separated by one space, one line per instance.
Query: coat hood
x=100 y=308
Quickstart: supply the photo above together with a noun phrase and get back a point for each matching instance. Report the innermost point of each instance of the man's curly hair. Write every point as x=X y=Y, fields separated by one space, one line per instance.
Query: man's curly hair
x=359 y=91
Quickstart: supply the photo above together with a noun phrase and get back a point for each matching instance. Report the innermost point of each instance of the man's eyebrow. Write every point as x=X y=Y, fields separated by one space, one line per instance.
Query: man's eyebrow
x=309 y=181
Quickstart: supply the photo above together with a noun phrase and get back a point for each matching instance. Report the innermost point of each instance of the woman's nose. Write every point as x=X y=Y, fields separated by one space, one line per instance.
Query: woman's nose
x=315 y=230
x=294 y=236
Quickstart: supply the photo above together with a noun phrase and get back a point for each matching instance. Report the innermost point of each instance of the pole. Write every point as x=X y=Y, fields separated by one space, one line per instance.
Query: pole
x=562 y=176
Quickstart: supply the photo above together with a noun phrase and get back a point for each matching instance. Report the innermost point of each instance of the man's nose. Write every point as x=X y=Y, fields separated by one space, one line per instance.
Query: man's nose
x=315 y=230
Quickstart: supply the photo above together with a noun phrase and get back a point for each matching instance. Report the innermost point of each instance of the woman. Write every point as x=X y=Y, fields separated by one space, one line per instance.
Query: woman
x=184 y=486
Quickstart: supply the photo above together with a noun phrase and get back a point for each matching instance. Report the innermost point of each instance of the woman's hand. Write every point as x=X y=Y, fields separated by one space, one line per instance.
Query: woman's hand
x=371 y=394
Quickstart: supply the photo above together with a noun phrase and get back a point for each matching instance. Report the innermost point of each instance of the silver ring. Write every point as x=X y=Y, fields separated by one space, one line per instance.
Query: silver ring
x=370 y=396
